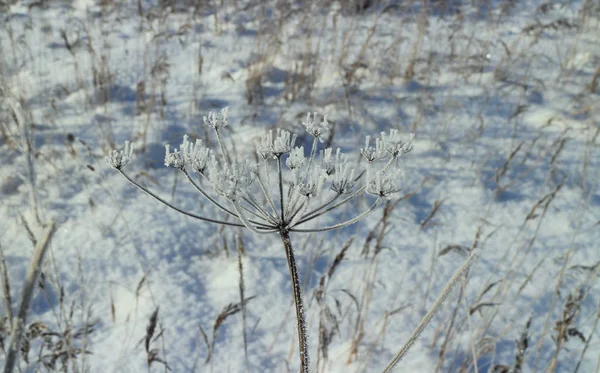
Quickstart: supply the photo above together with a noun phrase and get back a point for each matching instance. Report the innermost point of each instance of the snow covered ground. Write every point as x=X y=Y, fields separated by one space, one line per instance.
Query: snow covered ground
x=503 y=97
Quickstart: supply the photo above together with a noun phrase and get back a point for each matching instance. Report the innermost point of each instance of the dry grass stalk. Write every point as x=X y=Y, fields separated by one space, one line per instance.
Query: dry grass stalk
x=521 y=344
x=462 y=271
x=24 y=121
x=229 y=310
x=565 y=328
x=377 y=234
x=328 y=322
x=5 y=286
x=152 y=353
x=240 y=247
x=434 y=210
x=589 y=338
x=18 y=323
x=208 y=346
x=59 y=345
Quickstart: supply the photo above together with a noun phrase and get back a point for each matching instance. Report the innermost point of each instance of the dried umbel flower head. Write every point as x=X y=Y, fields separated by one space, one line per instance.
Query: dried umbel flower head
x=215 y=120
x=318 y=130
x=296 y=160
x=252 y=189
x=232 y=181
x=396 y=144
x=372 y=154
x=386 y=183
x=274 y=147
x=120 y=158
x=195 y=155
x=343 y=178
x=329 y=162
x=269 y=198
x=174 y=159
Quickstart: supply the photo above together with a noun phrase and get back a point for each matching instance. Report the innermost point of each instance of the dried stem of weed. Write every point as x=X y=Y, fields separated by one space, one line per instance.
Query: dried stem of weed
x=19 y=321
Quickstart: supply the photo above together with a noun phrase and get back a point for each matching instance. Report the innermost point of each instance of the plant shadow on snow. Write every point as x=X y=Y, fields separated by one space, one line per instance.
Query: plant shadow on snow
x=422 y=205
x=595 y=200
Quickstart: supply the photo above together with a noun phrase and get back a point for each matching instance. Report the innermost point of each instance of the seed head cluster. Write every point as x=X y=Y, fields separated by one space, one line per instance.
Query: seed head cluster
x=281 y=193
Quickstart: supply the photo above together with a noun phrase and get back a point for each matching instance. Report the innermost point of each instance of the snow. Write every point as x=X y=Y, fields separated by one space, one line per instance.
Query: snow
x=480 y=89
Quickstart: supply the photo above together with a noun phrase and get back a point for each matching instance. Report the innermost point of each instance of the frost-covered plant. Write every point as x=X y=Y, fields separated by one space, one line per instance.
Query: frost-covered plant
x=280 y=194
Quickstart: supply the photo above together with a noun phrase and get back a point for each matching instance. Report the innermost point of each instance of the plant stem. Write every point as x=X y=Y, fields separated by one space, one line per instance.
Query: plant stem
x=279 y=172
x=20 y=320
x=432 y=310
x=300 y=316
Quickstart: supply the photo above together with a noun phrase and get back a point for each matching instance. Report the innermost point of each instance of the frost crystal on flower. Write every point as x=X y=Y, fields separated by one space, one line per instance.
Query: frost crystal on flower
x=284 y=203
x=296 y=158
x=216 y=121
x=396 y=144
x=328 y=162
x=373 y=154
x=318 y=130
x=386 y=183
x=195 y=155
x=275 y=147
x=310 y=185
x=232 y=181
x=120 y=158
x=343 y=178
x=174 y=159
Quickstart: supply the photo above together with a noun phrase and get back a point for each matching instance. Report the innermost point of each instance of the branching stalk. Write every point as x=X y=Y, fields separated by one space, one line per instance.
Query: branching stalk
x=343 y=224
x=215 y=221
x=266 y=191
x=206 y=195
x=246 y=222
x=308 y=217
x=300 y=315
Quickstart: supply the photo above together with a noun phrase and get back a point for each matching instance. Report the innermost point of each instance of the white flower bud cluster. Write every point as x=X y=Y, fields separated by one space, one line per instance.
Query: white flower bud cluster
x=311 y=184
x=296 y=159
x=386 y=183
x=250 y=191
x=328 y=162
x=372 y=154
x=216 y=121
x=317 y=130
x=274 y=147
x=196 y=155
x=120 y=158
x=232 y=181
x=343 y=179
x=174 y=159
x=396 y=144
